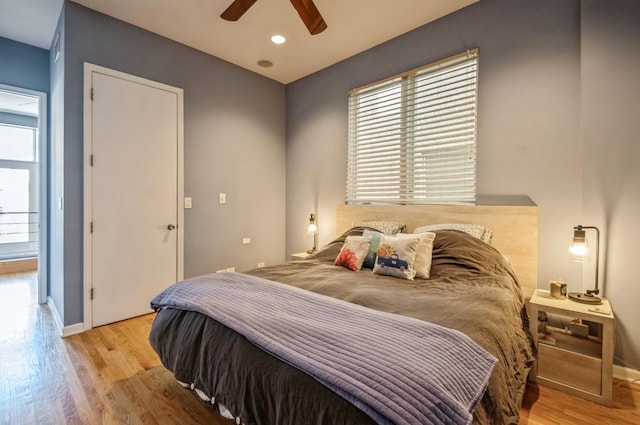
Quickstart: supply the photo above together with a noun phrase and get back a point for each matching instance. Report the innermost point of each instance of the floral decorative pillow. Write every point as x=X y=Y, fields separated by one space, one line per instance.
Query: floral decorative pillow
x=475 y=230
x=423 y=254
x=353 y=251
x=396 y=256
x=386 y=227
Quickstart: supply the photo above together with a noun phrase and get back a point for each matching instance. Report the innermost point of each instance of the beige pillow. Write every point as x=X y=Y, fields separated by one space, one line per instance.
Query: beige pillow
x=423 y=254
x=396 y=256
x=353 y=251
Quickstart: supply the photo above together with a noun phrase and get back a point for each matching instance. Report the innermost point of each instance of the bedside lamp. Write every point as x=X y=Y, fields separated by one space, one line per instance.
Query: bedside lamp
x=579 y=251
x=313 y=230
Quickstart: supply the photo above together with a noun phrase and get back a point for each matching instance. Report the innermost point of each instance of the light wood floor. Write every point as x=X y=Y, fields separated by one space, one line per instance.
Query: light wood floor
x=111 y=375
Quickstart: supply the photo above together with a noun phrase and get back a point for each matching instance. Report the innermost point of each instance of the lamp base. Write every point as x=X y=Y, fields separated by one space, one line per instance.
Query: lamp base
x=584 y=298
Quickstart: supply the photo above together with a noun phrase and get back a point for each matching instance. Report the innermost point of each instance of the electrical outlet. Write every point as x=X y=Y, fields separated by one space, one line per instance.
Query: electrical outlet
x=260 y=265
x=230 y=270
x=246 y=241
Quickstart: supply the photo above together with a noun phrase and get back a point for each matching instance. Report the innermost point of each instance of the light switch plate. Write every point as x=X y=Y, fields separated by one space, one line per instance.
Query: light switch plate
x=222 y=197
x=187 y=203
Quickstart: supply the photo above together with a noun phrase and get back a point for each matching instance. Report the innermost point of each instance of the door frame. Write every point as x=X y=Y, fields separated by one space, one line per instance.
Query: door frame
x=43 y=189
x=89 y=69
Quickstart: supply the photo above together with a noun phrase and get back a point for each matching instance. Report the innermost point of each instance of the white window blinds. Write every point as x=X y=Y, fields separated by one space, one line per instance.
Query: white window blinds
x=412 y=137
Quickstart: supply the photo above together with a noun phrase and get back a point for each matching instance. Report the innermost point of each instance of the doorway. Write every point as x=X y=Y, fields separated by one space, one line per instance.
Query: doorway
x=133 y=184
x=23 y=171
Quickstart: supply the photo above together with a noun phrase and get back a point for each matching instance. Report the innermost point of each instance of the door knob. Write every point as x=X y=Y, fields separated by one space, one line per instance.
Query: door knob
x=171 y=227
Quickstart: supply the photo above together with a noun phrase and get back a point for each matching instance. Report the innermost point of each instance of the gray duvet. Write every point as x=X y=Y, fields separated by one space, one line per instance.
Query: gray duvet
x=471 y=289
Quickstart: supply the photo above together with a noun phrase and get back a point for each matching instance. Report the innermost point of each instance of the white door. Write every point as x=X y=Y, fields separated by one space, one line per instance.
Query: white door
x=135 y=150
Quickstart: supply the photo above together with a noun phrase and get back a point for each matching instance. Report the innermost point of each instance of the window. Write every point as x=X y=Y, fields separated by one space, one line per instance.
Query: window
x=412 y=137
x=18 y=191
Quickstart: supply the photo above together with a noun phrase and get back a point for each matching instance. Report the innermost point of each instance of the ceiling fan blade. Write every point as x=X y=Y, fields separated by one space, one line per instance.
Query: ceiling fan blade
x=310 y=16
x=237 y=9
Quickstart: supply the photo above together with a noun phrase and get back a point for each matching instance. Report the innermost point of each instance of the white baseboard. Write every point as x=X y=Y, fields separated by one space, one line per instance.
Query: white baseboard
x=64 y=330
x=625 y=373
x=76 y=328
x=56 y=315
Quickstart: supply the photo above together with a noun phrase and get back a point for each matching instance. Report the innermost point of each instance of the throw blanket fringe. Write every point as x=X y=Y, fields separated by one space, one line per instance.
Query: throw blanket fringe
x=397 y=369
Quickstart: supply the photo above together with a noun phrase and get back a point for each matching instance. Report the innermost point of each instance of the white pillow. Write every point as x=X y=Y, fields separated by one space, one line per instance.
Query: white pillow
x=423 y=254
x=475 y=230
x=397 y=256
x=353 y=252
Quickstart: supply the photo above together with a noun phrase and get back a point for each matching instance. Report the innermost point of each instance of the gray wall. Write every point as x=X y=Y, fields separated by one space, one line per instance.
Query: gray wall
x=56 y=176
x=533 y=135
x=24 y=66
x=529 y=107
x=611 y=155
x=234 y=143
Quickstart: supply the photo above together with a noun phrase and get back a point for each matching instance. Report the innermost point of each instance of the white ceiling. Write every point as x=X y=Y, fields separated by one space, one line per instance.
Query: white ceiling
x=353 y=26
x=30 y=21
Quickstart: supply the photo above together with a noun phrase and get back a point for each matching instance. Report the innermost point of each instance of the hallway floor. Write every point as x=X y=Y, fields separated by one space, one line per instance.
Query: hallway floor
x=108 y=375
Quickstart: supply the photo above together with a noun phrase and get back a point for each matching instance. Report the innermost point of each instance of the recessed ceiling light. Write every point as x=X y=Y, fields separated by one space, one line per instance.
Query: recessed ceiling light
x=265 y=63
x=278 y=39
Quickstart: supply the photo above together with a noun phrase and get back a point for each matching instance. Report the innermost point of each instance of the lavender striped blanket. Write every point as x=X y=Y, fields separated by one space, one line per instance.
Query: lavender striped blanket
x=397 y=369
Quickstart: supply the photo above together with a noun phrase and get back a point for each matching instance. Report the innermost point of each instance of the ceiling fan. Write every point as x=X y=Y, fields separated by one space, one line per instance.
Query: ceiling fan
x=306 y=9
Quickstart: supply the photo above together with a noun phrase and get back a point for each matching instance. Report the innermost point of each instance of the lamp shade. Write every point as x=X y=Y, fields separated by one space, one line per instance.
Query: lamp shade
x=579 y=251
x=313 y=228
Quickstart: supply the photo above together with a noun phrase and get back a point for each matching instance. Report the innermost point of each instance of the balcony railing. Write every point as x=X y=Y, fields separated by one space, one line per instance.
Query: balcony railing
x=18 y=234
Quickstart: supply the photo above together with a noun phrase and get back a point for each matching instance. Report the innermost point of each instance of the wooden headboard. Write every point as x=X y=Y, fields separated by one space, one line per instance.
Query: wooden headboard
x=514 y=227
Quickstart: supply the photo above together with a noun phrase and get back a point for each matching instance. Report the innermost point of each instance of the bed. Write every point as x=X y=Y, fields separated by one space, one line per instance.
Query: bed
x=472 y=291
